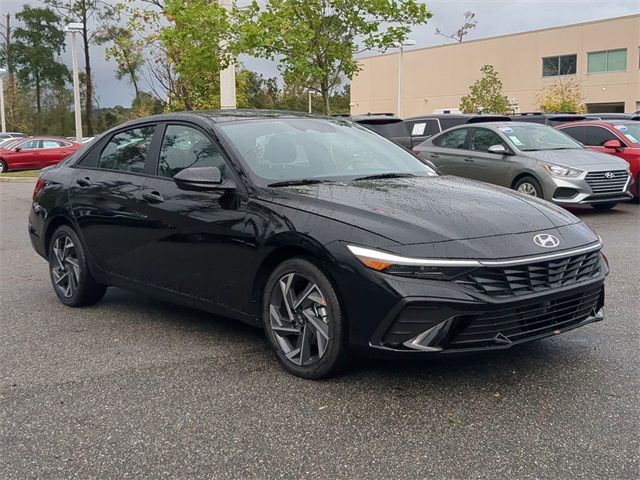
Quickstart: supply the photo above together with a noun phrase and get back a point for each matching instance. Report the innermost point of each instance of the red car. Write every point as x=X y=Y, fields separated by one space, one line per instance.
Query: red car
x=34 y=153
x=617 y=137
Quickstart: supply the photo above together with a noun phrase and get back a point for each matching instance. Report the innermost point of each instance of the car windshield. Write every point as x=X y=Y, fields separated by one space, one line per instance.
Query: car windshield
x=631 y=132
x=532 y=137
x=310 y=150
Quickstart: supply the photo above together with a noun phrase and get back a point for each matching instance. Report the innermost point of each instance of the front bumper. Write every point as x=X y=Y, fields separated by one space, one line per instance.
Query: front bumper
x=440 y=327
x=588 y=189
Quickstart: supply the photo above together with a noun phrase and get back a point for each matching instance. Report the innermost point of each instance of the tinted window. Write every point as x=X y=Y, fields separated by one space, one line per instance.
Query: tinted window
x=451 y=122
x=127 y=151
x=30 y=145
x=388 y=129
x=597 y=136
x=607 y=61
x=184 y=147
x=454 y=139
x=577 y=133
x=482 y=139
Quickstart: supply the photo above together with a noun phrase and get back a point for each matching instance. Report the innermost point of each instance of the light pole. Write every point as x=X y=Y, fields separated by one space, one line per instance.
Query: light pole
x=405 y=43
x=75 y=28
x=3 y=122
x=228 y=76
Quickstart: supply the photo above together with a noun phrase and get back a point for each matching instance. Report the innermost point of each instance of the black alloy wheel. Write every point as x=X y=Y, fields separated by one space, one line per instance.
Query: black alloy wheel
x=72 y=281
x=303 y=320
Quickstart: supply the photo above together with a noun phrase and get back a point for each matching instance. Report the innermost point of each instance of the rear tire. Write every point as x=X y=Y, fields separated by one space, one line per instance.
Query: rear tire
x=529 y=186
x=70 y=275
x=604 y=206
x=3 y=167
x=304 y=321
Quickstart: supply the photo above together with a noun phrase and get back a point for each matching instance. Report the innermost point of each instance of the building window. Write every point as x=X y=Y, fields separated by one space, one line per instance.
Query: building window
x=607 y=61
x=562 y=65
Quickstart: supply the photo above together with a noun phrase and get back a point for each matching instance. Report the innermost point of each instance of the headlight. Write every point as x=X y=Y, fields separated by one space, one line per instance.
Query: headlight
x=559 y=170
x=427 y=268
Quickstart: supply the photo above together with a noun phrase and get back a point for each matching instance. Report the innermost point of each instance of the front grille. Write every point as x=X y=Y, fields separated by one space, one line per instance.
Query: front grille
x=504 y=326
x=599 y=182
x=534 y=277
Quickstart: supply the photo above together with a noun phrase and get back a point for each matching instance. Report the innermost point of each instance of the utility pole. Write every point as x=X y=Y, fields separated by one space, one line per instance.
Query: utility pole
x=3 y=123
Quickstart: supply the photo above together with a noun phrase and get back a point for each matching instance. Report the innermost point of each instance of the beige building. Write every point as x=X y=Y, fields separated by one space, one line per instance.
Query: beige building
x=604 y=56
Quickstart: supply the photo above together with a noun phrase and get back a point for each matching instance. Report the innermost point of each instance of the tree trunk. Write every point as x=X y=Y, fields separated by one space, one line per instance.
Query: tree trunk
x=88 y=81
x=324 y=90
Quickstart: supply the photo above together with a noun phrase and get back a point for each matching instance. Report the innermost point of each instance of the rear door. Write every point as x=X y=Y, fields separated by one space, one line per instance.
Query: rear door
x=105 y=200
x=449 y=153
x=53 y=151
x=198 y=235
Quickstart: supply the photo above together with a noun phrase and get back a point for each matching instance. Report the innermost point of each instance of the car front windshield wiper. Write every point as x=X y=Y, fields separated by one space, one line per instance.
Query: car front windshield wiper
x=384 y=175
x=299 y=181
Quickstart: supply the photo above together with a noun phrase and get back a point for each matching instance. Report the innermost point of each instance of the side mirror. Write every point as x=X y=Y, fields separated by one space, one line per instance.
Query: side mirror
x=613 y=144
x=18 y=149
x=498 y=149
x=202 y=178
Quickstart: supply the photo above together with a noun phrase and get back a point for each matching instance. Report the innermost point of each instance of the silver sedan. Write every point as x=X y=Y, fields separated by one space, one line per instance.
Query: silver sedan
x=533 y=159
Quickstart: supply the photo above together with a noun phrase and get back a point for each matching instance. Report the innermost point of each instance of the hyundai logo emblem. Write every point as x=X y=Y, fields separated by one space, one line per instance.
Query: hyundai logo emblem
x=609 y=175
x=545 y=240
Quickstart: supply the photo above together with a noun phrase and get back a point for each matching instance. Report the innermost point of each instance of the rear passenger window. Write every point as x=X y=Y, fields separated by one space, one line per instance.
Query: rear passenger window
x=127 y=151
x=453 y=139
x=597 y=136
x=185 y=147
x=577 y=133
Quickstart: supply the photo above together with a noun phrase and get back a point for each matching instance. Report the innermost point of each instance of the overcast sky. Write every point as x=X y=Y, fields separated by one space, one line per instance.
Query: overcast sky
x=495 y=17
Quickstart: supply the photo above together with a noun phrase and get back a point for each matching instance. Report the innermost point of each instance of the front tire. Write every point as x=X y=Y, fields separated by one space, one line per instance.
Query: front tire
x=529 y=186
x=604 y=206
x=70 y=275
x=304 y=321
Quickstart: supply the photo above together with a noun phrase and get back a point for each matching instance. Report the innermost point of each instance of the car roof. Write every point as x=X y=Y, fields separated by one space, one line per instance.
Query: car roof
x=456 y=115
x=496 y=125
x=599 y=122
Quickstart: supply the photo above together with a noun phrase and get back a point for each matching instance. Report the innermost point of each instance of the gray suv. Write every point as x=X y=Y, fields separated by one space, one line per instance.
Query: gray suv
x=533 y=159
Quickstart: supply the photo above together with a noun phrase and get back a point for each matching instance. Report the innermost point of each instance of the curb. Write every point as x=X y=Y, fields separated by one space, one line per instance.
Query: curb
x=18 y=179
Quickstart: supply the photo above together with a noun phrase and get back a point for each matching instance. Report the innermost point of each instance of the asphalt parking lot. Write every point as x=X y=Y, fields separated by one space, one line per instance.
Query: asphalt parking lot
x=138 y=388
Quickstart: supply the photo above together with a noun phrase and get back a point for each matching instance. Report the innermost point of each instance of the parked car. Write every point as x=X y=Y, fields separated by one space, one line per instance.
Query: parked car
x=386 y=124
x=34 y=153
x=6 y=136
x=533 y=159
x=424 y=126
x=616 y=137
x=326 y=235
x=613 y=116
x=551 y=119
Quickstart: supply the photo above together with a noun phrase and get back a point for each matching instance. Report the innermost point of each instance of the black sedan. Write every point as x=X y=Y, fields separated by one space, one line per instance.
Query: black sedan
x=331 y=237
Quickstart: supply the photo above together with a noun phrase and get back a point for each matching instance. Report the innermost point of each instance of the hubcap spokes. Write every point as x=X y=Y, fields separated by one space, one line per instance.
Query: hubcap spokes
x=527 y=189
x=66 y=270
x=299 y=319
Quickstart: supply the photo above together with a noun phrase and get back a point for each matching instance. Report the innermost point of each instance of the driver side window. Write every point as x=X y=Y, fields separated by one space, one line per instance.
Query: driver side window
x=185 y=147
x=482 y=139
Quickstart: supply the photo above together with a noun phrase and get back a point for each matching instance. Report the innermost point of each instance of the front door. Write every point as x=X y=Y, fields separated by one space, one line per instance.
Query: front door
x=197 y=238
x=486 y=166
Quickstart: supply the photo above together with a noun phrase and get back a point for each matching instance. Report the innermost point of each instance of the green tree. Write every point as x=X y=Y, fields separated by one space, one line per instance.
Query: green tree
x=485 y=95
x=38 y=41
x=82 y=11
x=314 y=41
x=124 y=50
x=562 y=95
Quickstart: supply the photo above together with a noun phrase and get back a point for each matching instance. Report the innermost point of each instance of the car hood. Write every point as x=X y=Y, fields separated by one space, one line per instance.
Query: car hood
x=420 y=210
x=578 y=158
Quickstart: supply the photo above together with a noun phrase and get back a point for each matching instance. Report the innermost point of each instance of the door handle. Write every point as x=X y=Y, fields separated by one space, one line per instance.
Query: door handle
x=83 y=182
x=434 y=155
x=152 y=197
x=469 y=159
